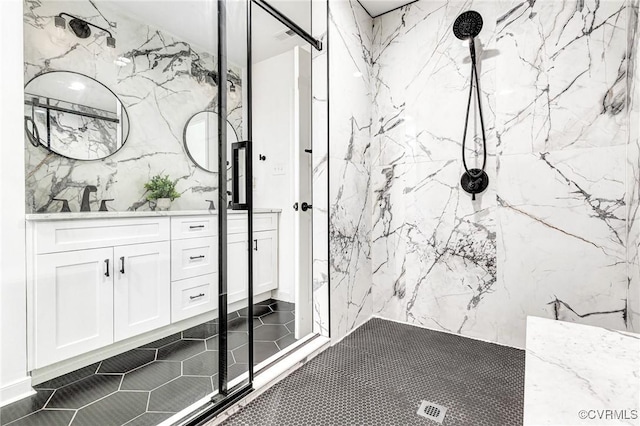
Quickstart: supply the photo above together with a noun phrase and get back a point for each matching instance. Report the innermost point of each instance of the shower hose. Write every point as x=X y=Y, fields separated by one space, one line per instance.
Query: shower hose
x=474 y=77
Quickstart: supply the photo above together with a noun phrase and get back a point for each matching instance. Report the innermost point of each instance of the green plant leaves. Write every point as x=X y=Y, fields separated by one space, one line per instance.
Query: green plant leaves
x=161 y=187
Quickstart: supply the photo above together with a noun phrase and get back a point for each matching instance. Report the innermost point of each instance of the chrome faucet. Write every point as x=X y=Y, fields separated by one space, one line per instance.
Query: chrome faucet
x=85 y=207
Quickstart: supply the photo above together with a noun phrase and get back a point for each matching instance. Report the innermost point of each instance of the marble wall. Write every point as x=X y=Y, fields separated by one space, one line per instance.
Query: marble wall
x=165 y=83
x=320 y=143
x=350 y=115
x=633 y=168
x=548 y=237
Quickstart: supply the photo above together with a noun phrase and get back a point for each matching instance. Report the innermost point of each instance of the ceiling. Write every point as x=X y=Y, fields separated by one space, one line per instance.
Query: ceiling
x=378 y=7
x=193 y=21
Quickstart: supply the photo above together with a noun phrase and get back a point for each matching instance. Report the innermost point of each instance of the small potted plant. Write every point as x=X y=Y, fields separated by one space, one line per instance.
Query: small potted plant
x=162 y=190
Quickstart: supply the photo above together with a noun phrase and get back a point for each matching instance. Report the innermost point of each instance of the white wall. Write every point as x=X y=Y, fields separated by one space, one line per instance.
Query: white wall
x=273 y=136
x=14 y=381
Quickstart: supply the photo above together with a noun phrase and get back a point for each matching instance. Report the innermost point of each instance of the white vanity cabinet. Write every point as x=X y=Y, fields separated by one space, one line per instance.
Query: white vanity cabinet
x=95 y=282
x=73 y=304
x=109 y=284
x=265 y=261
x=194 y=266
x=141 y=289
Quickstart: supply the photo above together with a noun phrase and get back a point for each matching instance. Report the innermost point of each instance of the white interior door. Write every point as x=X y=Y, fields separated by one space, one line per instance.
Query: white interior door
x=302 y=188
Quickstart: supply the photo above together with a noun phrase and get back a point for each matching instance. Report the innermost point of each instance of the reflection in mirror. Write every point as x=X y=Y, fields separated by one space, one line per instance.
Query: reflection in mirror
x=74 y=116
x=201 y=139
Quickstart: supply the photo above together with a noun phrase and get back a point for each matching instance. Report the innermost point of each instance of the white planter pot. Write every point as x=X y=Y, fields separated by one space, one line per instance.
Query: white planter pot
x=163 y=203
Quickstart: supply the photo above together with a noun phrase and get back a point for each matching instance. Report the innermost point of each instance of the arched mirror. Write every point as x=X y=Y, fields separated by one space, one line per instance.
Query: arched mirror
x=201 y=139
x=74 y=116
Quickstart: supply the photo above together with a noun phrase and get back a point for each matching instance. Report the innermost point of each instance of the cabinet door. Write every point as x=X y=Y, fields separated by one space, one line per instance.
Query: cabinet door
x=265 y=261
x=237 y=267
x=142 y=288
x=73 y=304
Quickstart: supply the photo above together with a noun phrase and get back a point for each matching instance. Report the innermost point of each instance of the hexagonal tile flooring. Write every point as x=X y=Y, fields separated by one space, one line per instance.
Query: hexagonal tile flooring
x=146 y=385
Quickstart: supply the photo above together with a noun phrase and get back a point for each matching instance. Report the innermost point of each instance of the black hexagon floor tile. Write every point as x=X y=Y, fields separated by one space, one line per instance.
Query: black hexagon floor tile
x=63 y=380
x=151 y=375
x=46 y=418
x=202 y=331
x=181 y=350
x=180 y=393
x=161 y=342
x=286 y=341
x=114 y=410
x=163 y=376
x=261 y=351
x=258 y=311
x=270 y=332
x=127 y=361
x=204 y=364
x=280 y=317
x=25 y=406
x=85 y=391
x=279 y=305
x=237 y=324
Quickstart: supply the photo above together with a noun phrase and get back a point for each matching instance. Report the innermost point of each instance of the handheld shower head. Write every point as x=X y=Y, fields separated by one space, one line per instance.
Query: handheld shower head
x=467 y=25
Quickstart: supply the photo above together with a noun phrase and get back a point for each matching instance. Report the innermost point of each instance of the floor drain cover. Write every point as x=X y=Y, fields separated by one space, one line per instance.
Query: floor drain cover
x=432 y=411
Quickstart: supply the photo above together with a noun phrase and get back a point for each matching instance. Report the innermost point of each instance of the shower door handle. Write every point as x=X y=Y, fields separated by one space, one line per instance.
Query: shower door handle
x=240 y=175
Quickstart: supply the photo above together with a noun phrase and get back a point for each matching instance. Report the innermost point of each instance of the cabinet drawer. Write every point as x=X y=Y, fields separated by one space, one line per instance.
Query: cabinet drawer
x=193 y=227
x=193 y=296
x=193 y=257
x=237 y=223
x=265 y=222
x=67 y=235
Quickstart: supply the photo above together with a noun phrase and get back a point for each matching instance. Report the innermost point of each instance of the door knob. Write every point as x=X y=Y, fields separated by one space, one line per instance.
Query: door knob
x=305 y=206
x=295 y=206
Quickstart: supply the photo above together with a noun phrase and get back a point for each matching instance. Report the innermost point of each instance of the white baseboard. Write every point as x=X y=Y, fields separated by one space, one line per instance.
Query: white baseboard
x=16 y=391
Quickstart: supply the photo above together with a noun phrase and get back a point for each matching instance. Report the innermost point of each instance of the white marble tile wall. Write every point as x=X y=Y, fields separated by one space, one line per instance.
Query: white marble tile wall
x=166 y=83
x=633 y=168
x=548 y=238
x=350 y=115
x=320 y=145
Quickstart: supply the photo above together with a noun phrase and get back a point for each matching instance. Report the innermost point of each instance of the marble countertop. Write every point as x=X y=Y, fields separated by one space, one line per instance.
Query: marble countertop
x=574 y=373
x=112 y=214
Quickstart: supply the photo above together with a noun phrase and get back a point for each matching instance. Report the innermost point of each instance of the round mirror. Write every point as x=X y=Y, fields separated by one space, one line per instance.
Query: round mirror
x=201 y=139
x=74 y=116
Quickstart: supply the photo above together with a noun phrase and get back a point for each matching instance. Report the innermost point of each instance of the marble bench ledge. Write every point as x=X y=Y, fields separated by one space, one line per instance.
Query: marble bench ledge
x=580 y=375
x=113 y=214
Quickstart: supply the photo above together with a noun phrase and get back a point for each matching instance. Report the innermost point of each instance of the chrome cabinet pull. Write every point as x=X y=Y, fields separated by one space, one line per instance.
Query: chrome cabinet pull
x=255 y=245
x=195 y=297
x=197 y=257
x=106 y=262
x=196 y=226
x=122 y=265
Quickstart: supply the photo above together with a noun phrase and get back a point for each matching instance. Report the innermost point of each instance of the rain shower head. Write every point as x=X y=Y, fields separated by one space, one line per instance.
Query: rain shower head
x=467 y=25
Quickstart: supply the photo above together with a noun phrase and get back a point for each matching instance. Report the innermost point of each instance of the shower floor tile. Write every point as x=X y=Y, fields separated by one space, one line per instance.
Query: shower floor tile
x=380 y=373
x=149 y=384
